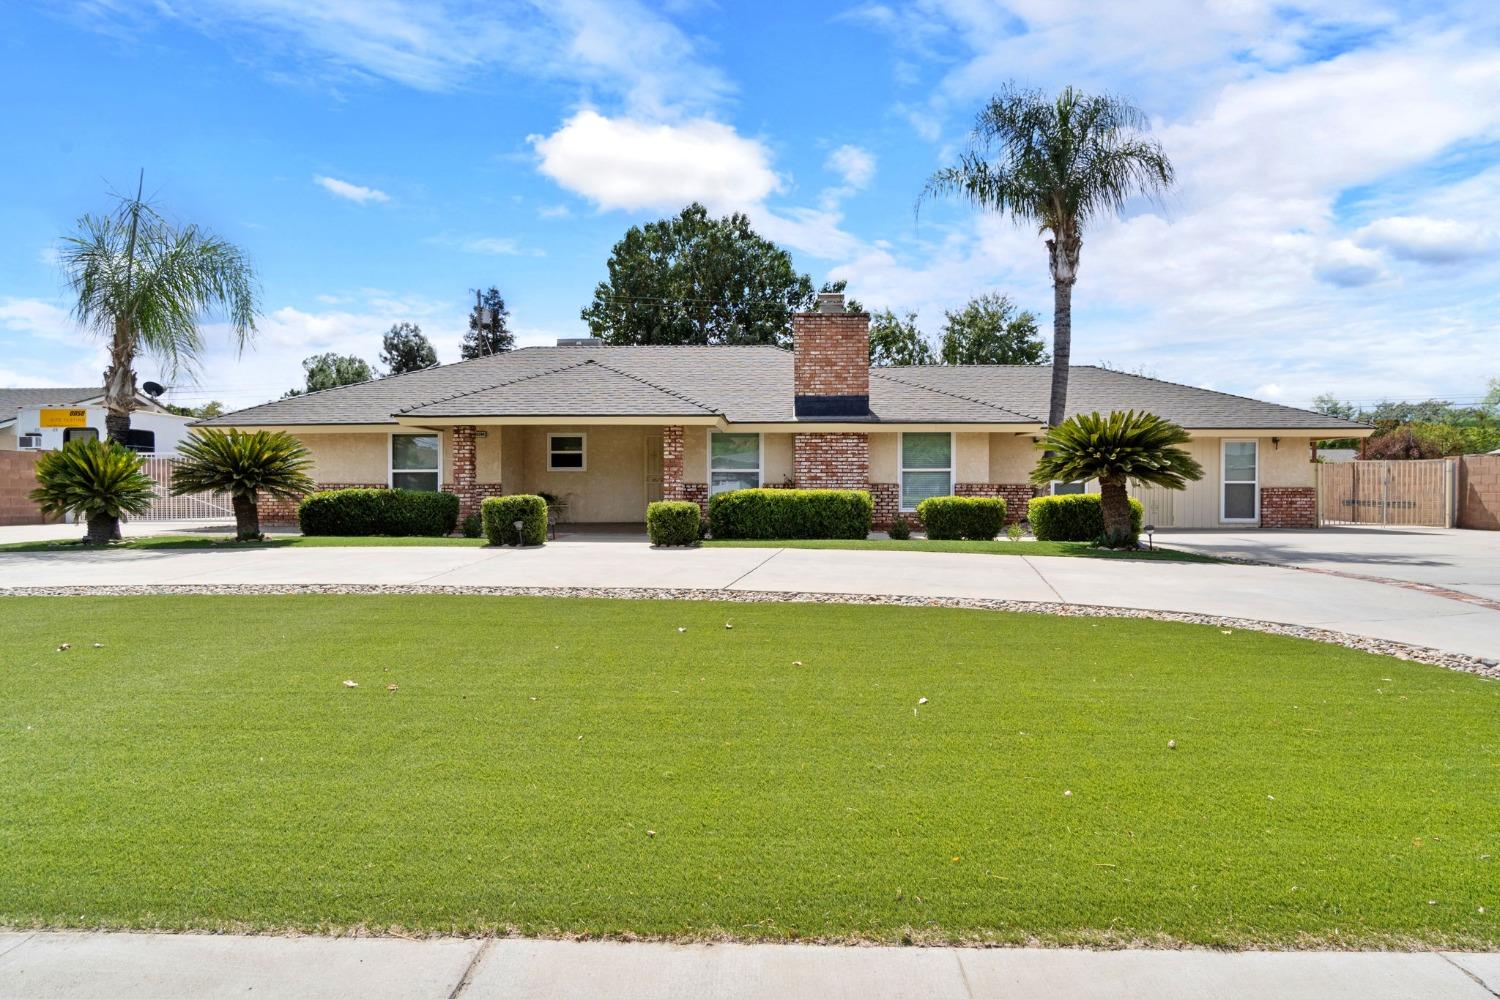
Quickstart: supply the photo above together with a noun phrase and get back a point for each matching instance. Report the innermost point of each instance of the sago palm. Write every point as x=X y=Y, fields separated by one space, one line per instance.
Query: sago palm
x=144 y=284
x=1117 y=449
x=98 y=481
x=244 y=466
x=1060 y=164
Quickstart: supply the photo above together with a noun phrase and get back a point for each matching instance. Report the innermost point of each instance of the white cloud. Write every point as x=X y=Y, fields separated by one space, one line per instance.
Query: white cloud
x=554 y=212
x=855 y=165
x=351 y=192
x=635 y=164
x=1425 y=239
x=39 y=318
x=1348 y=265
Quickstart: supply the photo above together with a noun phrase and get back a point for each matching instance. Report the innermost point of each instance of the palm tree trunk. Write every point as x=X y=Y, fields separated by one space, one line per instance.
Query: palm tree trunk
x=102 y=530
x=1062 y=253
x=1114 y=504
x=246 y=518
x=119 y=383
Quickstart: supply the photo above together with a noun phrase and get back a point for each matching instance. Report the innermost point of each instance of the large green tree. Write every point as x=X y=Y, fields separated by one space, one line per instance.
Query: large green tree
x=694 y=279
x=405 y=348
x=145 y=284
x=326 y=371
x=895 y=340
x=1060 y=164
x=487 y=333
x=990 y=330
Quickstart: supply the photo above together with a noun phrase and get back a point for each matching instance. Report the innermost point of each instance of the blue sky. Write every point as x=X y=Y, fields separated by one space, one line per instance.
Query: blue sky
x=1336 y=226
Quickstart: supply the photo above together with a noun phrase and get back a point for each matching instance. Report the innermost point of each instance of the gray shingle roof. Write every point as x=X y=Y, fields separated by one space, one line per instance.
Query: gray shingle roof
x=749 y=385
x=12 y=399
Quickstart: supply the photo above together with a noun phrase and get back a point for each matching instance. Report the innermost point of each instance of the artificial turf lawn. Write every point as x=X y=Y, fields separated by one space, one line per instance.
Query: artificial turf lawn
x=1080 y=549
x=207 y=768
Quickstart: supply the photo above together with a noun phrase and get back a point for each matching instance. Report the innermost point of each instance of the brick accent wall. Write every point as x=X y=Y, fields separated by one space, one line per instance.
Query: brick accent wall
x=671 y=464
x=831 y=461
x=1288 y=506
x=831 y=364
x=887 y=497
x=462 y=467
x=477 y=493
x=696 y=492
x=284 y=511
x=17 y=480
x=1478 y=492
x=1017 y=496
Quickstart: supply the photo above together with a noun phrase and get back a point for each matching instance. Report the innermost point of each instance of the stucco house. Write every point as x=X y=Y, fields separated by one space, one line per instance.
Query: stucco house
x=613 y=428
x=44 y=419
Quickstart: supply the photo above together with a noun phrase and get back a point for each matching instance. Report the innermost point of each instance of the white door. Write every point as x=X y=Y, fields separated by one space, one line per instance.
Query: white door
x=653 y=468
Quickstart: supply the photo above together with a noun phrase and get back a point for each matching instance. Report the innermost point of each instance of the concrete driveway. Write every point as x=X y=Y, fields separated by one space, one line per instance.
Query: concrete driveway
x=1360 y=607
x=1466 y=561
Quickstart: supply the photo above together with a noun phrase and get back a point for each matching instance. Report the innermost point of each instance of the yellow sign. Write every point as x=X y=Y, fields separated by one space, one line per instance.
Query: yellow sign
x=65 y=417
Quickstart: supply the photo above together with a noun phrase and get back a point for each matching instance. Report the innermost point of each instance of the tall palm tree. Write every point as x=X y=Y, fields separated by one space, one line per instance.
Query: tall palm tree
x=1060 y=164
x=1117 y=449
x=144 y=284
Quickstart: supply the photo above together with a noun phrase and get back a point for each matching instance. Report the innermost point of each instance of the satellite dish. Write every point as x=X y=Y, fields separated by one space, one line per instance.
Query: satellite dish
x=153 y=389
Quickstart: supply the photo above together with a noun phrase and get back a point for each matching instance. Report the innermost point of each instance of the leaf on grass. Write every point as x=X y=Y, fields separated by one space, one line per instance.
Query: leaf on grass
x=391 y=687
x=350 y=683
x=921 y=700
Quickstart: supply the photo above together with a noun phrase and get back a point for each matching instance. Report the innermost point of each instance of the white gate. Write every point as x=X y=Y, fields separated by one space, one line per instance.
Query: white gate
x=193 y=506
x=1400 y=493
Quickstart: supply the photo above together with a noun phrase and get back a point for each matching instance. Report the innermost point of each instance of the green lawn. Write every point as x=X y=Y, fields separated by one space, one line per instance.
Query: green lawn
x=1080 y=549
x=555 y=766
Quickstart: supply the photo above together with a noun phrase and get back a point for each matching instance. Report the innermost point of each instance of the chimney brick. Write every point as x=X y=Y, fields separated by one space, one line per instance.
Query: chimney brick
x=831 y=364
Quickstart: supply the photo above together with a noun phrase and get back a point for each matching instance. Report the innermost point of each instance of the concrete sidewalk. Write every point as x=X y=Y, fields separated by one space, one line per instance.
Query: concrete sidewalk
x=50 y=965
x=1359 y=607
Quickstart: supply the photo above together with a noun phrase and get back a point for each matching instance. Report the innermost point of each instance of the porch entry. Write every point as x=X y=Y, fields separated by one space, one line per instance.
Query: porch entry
x=653 y=468
x=1402 y=493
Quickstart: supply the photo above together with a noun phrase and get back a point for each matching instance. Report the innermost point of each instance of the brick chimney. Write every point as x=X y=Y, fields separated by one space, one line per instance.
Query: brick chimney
x=831 y=361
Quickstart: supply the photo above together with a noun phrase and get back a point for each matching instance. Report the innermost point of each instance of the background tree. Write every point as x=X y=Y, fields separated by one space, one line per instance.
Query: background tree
x=404 y=348
x=144 y=284
x=1059 y=164
x=895 y=340
x=487 y=333
x=1117 y=449
x=1330 y=405
x=98 y=481
x=244 y=466
x=693 y=279
x=989 y=330
x=326 y=371
x=203 y=412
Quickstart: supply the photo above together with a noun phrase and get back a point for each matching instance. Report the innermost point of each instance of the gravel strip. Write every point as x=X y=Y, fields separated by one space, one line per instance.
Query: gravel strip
x=1487 y=668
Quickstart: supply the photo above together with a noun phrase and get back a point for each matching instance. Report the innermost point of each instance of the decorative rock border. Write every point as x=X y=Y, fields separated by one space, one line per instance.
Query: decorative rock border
x=1488 y=668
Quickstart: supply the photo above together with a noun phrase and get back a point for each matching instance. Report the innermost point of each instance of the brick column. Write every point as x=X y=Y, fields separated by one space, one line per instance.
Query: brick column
x=672 y=486
x=831 y=461
x=463 y=474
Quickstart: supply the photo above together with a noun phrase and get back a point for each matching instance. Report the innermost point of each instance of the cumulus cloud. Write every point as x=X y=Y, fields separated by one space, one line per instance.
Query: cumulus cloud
x=1348 y=265
x=39 y=318
x=1426 y=240
x=854 y=165
x=632 y=164
x=351 y=192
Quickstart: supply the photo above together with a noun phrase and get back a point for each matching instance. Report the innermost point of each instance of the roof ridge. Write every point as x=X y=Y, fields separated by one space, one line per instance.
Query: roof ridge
x=660 y=388
x=487 y=388
x=878 y=373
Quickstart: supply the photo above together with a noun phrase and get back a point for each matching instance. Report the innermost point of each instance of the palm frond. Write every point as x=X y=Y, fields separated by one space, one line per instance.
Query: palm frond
x=243 y=464
x=92 y=478
x=1138 y=446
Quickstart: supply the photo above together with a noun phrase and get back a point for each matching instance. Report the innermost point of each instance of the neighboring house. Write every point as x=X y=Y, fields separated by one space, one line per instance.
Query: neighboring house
x=44 y=419
x=1337 y=454
x=612 y=428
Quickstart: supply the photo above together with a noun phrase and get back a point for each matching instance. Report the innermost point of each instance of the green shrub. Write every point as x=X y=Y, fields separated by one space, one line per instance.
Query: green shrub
x=472 y=526
x=500 y=514
x=900 y=528
x=1076 y=517
x=391 y=512
x=787 y=514
x=673 y=522
x=962 y=518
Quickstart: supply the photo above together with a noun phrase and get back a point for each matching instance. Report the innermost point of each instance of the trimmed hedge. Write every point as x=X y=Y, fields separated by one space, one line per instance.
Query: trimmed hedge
x=673 y=522
x=391 y=512
x=787 y=514
x=500 y=514
x=1076 y=517
x=962 y=518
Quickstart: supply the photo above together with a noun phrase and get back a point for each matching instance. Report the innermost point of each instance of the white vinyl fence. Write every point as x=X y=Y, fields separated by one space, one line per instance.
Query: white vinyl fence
x=194 y=506
x=1401 y=493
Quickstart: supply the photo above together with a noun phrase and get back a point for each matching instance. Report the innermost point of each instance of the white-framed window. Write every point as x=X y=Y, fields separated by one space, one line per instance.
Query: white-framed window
x=29 y=442
x=1239 y=492
x=1060 y=488
x=567 y=452
x=926 y=467
x=417 y=461
x=734 y=462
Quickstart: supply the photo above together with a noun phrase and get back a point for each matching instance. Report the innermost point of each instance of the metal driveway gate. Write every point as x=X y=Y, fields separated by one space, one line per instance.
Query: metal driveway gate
x=194 y=506
x=1401 y=493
